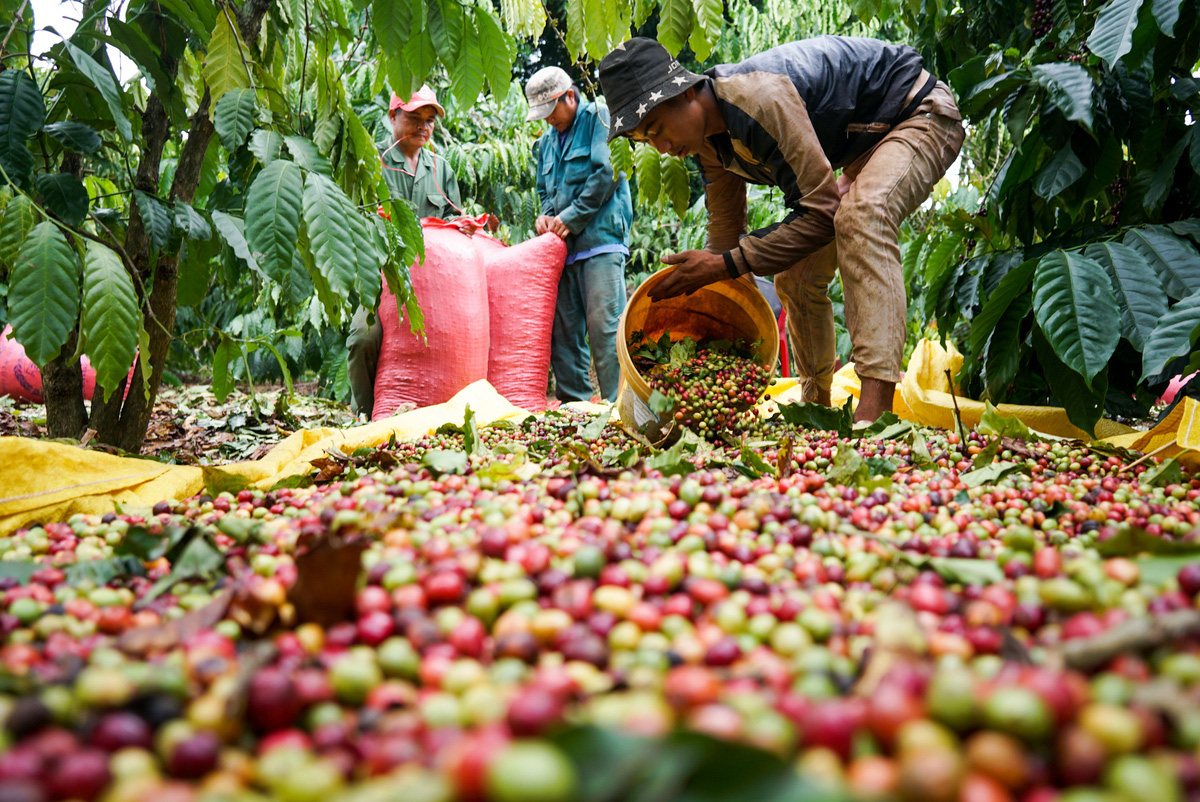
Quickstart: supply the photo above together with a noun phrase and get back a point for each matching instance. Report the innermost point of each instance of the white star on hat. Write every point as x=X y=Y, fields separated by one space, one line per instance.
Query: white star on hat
x=655 y=95
x=641 y=109
x=617 y=122
x=679 y=79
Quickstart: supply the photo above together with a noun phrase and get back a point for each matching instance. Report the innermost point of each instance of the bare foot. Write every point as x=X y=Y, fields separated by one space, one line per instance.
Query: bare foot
x=874 y=399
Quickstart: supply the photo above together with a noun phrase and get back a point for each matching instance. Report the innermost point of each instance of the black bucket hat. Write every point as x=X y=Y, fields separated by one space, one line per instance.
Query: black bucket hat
x=637 y=76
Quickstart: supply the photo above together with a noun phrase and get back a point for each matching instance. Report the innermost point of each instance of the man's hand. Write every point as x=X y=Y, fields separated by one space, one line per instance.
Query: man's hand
x=693 y=270
x=552 y=224
x=467 y=225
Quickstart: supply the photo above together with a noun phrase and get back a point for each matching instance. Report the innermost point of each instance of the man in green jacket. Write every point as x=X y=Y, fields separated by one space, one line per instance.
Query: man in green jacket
x=583 y=204
x=414 y=173
x=788 y=117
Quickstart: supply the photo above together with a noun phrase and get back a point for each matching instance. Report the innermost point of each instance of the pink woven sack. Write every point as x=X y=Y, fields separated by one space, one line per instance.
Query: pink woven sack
x=451 y=287
x=522 y=290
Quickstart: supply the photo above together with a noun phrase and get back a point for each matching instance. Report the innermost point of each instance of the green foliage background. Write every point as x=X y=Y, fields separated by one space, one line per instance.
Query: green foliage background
x=218 y=212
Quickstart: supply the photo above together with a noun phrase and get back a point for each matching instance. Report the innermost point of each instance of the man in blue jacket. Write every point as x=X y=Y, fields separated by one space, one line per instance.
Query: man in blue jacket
x=591 y=211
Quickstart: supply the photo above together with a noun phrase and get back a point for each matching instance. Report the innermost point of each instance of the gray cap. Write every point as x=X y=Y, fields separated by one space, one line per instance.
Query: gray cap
x=544 y=89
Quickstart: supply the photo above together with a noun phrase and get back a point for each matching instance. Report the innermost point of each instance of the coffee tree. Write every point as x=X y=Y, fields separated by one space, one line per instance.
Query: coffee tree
x=1078 y=277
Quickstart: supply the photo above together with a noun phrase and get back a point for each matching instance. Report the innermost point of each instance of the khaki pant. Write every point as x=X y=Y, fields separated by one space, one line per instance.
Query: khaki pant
x=363 y=345
x=888 y=183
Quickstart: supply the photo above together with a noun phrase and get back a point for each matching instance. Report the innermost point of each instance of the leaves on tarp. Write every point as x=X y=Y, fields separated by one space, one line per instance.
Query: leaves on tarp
x=962 y=570
x=992 y=472
x=986 y=456
x=783 y=458
x=850 y=469
x=1130 y=540
x=217 y=481
x=750 y=458
x=997 y=424
x=190 y=550
x=594 y=429
x=1126 y=455
x=101 y=572
x=327 y=575
x=441 y=460
x=888 y=426
x=170 y=633
x=1168 y=472
x=811 y=415
x=20 y=570
x=681 y=767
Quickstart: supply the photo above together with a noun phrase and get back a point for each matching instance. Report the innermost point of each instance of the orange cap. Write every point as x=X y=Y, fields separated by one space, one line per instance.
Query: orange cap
x=422 y=97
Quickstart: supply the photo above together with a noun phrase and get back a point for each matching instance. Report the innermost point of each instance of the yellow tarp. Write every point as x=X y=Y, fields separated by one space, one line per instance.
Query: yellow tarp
x=50 y=482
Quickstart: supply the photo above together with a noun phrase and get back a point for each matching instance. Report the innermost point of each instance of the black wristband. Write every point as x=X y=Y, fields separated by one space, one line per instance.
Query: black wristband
x=730 y=265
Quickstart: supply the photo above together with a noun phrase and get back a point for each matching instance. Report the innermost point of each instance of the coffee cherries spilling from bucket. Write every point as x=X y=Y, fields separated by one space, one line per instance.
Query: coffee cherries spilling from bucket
x=714 y=390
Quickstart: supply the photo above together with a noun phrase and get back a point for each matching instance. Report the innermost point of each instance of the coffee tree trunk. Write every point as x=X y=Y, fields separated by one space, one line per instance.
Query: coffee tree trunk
x=121 y=419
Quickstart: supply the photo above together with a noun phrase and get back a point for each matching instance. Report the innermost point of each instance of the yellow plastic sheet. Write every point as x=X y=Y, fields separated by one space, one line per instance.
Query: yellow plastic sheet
x=44 y=482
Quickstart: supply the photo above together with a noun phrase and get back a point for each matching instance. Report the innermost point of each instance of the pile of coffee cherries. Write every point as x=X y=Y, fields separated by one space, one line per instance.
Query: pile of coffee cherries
x=905 y=634
x=714 y=391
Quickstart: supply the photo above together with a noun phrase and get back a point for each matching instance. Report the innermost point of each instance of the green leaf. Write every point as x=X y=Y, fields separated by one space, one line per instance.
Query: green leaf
x=327 y=216
x=157 y=219
x=497 y=48
x=649 y=174
x=393 y=22
x=75 y=136
x=1063 y=170
x=217 y=481
x=273 y=217
x=1131 y=540
x=222 y=383
x=675 y=21
x=190 y=223
x=441 y=461
x=1174 y=335
x=223 y=66
x=130 y=40
x=20 y=216
x=198 y=16
x=620 y=154
x=467 y=77
x=267 y=146
x=196 y=270
x=1112 y=35
x=1083 y=402
x=230 y=229
x=1012 y=285
x=43 y=293
x=939 y=267
x=1168 y=472
x=675 y=184
x=1139 y=291
x=106 y=85
x=1175 y=260
x=420 y=56
x=811 y=415
x=20 y=570
x=64 y=196
x=1077 y=311
x=1003 y=355
x=22 y=112
x=111 y=317
x=995 y=424
x=1070 y=87
x=445 y=21
x=234 y=116
x=307 y=156
x=101 y=572
x=957 y=569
